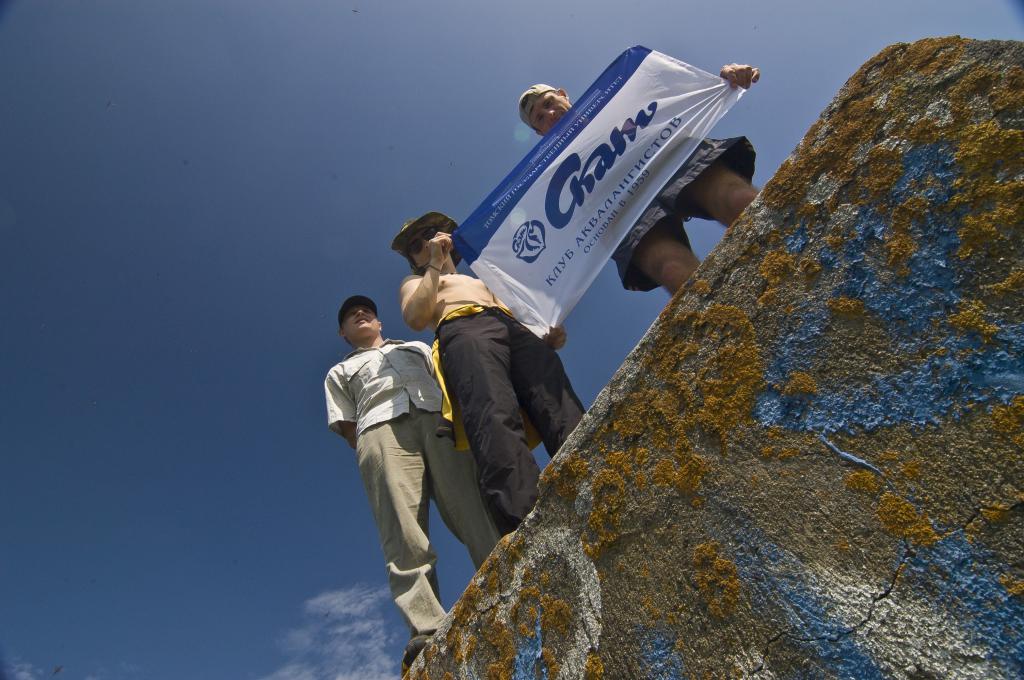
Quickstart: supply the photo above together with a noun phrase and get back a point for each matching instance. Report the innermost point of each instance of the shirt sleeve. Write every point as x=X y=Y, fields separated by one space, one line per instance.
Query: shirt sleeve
x=340 y=405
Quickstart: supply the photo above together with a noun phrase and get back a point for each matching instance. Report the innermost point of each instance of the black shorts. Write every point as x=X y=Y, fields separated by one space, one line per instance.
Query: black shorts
x=736 y=152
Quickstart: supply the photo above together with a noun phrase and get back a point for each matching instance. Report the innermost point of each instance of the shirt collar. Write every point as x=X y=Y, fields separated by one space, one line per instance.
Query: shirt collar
x=366 y=349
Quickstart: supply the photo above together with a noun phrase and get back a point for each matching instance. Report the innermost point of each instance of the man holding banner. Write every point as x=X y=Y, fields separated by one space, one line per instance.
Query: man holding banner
x=714 y=183
x=611 y=170
x=508 y=383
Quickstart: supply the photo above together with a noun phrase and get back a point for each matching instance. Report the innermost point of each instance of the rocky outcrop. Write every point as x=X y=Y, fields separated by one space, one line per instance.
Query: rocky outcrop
x=811 y=466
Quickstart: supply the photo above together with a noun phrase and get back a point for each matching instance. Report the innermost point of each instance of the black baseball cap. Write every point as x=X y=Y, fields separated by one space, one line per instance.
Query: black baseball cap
x=355 y=301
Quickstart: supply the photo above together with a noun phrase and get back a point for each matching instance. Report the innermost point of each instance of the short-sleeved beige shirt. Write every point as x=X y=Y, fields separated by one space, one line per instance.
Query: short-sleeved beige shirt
x=377 y=384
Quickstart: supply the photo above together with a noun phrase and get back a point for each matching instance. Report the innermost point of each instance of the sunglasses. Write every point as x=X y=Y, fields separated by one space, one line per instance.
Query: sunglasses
x=417 y=244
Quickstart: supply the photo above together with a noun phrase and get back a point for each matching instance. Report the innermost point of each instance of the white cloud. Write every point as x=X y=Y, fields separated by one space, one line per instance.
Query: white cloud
x=21 y=670
x=343 y=636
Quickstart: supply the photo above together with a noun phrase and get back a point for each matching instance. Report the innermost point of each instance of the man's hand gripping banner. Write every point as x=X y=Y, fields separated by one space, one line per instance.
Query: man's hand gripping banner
x=541 y=237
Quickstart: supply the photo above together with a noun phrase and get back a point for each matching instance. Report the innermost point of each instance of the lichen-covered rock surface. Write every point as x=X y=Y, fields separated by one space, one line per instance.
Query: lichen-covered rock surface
x=811 y=466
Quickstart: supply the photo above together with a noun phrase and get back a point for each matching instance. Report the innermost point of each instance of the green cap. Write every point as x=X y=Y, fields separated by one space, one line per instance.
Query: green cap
x=527 y=98
x=411 y=228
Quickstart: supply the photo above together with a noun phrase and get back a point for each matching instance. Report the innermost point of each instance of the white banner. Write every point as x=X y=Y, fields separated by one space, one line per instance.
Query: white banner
x=541 y=238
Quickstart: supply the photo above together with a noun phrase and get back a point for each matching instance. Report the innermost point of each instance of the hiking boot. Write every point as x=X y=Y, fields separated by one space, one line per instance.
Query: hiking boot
x=412 y=650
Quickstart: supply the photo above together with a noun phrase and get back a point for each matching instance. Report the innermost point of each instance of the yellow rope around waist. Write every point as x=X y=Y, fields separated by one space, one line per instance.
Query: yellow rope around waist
x=449 y=408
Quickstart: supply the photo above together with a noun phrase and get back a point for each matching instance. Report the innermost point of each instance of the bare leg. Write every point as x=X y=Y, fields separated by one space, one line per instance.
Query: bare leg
x=661 y=256
x=721 y=192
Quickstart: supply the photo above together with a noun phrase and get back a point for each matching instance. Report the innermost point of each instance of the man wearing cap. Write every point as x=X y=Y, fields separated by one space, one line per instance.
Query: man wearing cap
x=713 y=184
x=384 y=400
x=493 y=368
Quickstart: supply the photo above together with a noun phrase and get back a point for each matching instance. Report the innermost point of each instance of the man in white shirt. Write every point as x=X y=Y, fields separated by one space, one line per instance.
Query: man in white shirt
x=384 y=400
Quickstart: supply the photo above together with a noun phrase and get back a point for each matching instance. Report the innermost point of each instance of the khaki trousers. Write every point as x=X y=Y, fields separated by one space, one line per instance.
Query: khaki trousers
x=404 y=464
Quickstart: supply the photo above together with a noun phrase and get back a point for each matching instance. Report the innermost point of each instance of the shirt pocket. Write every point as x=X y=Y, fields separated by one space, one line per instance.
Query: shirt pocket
x=359 y=371
x=409 y=363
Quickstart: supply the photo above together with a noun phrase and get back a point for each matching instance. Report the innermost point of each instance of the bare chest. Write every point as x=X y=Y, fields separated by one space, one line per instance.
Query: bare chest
x=461 y=289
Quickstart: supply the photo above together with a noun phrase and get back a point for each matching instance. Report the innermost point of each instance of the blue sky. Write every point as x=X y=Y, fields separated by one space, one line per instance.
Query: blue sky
x=188 y=190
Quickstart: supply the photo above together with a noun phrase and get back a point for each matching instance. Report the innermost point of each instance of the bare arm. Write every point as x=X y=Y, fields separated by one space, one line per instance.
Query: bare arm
x=346 y=430
x=418 y=297
x=418 y=294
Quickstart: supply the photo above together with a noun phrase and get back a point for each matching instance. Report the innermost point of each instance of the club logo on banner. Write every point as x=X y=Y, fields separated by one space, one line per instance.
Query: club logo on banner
x=541 y=237
x=528 y=241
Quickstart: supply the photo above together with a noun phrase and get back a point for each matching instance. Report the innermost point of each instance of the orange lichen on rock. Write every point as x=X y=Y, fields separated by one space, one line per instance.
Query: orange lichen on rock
x=1009 y=420
x=900 y=518
x=989 y=155
x=988 y=150
x=971 y=317
x=594 y=670
x=513 y=544
x=549 y=660
x=846 y=306
x=609 y=493
x=997 y=212
x=629 y=418
x=685 y=474
x=834 y=241
x=996 y=514
x=809 y=267
x=776 y=267
x=493 y=581
x=652 y=610
x=462 y=616
x=566 y=475
x=779 y=452
x=899 y=243
x=700 y=286
x=716 y=578
x=1015 y=587
x=555 y=615
x=883 y=169
x=860 y=112
x=900 y=246
x=731 y=378
x=800 y=383
x=462 y=646
x=768 y=297
x=1013 y=282
x=500 y=637
x=807 y=211
x=911 y=469
x=1008 y=96
x=929 y=56
x=862 y=480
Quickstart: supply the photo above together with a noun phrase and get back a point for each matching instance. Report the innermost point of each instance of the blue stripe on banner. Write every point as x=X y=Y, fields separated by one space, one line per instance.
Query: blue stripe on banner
x=475 y=232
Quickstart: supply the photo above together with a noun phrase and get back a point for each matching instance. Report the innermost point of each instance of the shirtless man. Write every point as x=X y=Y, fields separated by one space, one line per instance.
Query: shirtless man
x=492 y=367
x=714 y=183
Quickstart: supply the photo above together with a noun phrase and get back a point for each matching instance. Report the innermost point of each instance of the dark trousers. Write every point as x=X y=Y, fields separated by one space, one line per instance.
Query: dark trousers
x=493 y=366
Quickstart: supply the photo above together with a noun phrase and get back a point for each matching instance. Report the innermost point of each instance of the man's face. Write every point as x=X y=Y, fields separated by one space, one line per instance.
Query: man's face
x=417 y=250
x=547 y=110
x=360 y=326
